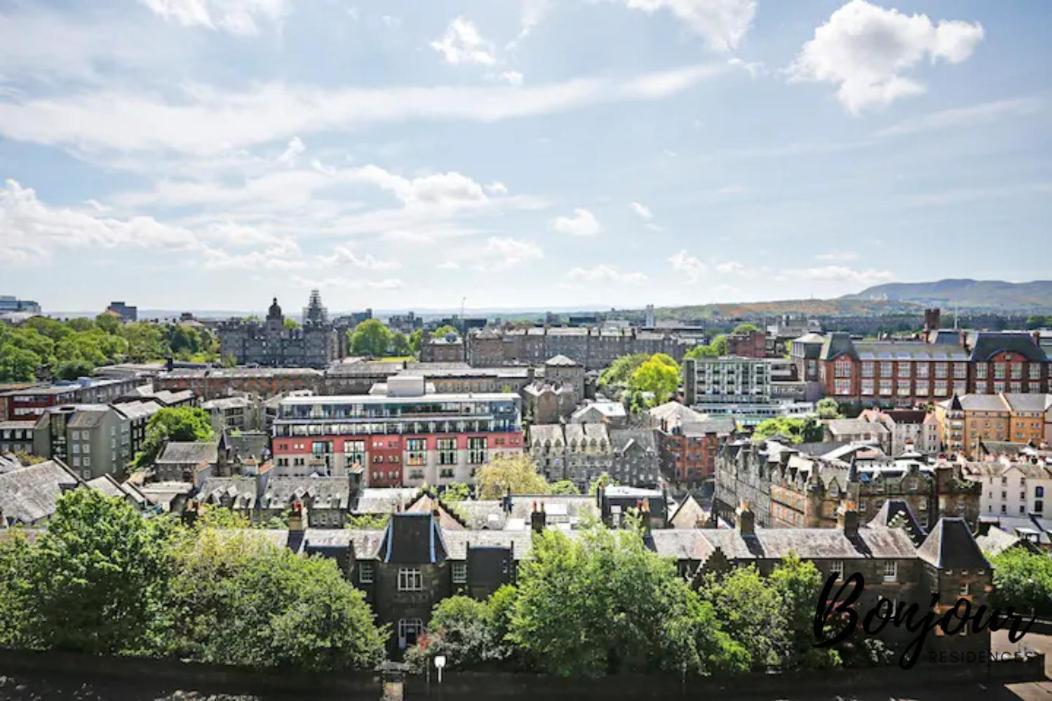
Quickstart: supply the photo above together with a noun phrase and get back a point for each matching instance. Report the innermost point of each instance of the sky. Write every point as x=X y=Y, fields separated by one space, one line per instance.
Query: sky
x=212 y=154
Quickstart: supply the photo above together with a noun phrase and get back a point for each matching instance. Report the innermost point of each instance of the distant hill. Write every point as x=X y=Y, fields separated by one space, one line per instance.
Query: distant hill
x=812 y=307
x=965 y=294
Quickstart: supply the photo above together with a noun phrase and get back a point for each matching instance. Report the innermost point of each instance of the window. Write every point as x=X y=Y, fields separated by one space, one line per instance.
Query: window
x=366 y=572
x=867 y=368
x=476 y=450
x=980 y=371
x=965 y=589
x=1004 y=509
x=1039 y=507
x=922 y=370
x=416 y=449
x=409 y=629
x=891 y=571
x=447 y=451
x=842 y=386
x=354 y=451
x=1017 y=371
x=885 y=369
x=410 y=579
x=837 y=568
x=460 y=572
x=904 y=370
x=1039 y=492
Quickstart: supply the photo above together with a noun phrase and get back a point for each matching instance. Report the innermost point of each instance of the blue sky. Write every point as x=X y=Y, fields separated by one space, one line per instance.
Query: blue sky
x=210 y=154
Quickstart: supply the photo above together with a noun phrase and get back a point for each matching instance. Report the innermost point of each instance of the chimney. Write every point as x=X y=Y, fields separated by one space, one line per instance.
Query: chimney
x=847 y=518
x=297 y=517
x=538 y=518
x=984 y=528
x=931 y=320
x=746 y=520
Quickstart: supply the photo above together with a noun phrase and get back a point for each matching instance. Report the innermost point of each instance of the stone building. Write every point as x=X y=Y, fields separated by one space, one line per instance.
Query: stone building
x=91 y=439
x=271 y=344
x=688 y=442
x=575 y=452
x=909 y=429
x=966 y=422
x=594 y=348
x=441 y=349
x=1013 y=487
x=789 y=488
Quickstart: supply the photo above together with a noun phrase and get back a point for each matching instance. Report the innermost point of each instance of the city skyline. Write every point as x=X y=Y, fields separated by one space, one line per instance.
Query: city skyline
x=522 y=155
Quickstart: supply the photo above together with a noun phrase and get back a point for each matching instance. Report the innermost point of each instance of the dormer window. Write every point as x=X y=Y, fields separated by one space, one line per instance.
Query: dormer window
x=460 y=572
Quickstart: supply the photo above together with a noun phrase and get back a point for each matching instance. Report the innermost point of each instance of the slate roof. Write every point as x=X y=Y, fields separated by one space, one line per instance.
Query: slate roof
x=384 y=500
x=717 y=424
x=908 y=350
x=242 y=490
x=28 y=494
x=676 y=414
x=896 y=513
x=412 y=538
x=688 y=514
x=843 y=427
x=607 y=410
x=950 y=545
x=322 y=492
x=986 y=344
x=995 y=541
x=112 y=488
x=137 y=410
x=578 y=433
x=540 y=433
x=983 y=402
x=1026 y=402
x=195 y=453
x=837 y=344
x=88 y=416
x=623 y=439
x=562 y=361
x=482 y=514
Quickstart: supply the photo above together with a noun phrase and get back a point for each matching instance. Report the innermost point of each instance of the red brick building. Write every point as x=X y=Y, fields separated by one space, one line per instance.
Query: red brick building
x=688 y=442
x=752 y=344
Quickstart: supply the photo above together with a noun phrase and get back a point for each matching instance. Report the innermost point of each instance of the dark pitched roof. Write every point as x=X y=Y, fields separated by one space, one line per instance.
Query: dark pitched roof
x=896 y=513
x=836 y=344
x=987 y=344
x=412 y=538
x=188 y=452
x=28 y=494
x=950 y=546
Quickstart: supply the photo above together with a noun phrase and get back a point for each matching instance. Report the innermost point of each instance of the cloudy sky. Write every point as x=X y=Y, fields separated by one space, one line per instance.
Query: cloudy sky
x=210 y=154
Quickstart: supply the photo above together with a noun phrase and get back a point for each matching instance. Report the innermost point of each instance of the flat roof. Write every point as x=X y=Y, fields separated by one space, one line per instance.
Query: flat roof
x=385 y=399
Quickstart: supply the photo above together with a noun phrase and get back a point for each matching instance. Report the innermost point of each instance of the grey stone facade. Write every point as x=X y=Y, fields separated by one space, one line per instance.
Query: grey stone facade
x=591 y=347
x=312 y=345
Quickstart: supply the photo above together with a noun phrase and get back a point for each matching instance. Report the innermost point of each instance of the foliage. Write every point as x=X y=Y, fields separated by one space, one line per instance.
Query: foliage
x=745 y=328
x=619 y=371
x=714 y=349
x=603 y=603
x=368 y=521
x=564 y=487
x=371 y=337
x=173 y=424
x=16 y=592
x=799 y=584
x=463 y=629
x=1022 y=581
x=238 y=599
x=76 y=347
x=797 y=430
x=219 y=517
x=290 y=324
x=97 y=575
x=516 y=474
x=414 y=341
x=828 y=408
x=752 y=612
x=456 y=492
x=603 y=481
x=657 y=376
x=443 y=331
x=399 y=344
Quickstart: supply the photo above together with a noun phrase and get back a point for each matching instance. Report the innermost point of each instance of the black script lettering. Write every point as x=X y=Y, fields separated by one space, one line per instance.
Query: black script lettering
x=839 y=605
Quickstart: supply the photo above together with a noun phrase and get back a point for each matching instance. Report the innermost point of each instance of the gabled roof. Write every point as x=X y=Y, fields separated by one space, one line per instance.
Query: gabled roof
x=322 y=492
x=196 y=453
x=688 y=514
x=676 y=414
x=896 y=513
x=412 y=538
x=986 y=344
x=836 y=344
x=950 y=546
x=29 y=494
x=995 y=541
x=562 y=361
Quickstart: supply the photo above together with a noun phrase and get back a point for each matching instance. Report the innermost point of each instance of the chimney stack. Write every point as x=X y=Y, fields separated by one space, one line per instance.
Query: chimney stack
x=746 y=520
x=931 y=320
x=297 y=517
x=538 y=518
x=847 y=518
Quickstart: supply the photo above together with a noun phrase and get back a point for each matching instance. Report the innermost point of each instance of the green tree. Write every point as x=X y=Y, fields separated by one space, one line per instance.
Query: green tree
x=179 y=424
x=72 y=369
x=108 y=322
x=603 y=603
x=799 y=584
x=719 y=345
x=414 y=341
x=99 y=573
x=745 y=328
x=399 y=344
x=238 y=599
x=456 y=492
x=516 y=474
x=290 y=324
x=752 y=612
x=828 y=408
x=657 y=376
x=17 y=364
x=619 y=371
x=371 y=337
x=797 y=430
x=701 y=351
x=463 y=629
x=368 y=521
x=1022 y=581
x=443 y=331
x=16 y=593
x=564 y=487
x=145 y=341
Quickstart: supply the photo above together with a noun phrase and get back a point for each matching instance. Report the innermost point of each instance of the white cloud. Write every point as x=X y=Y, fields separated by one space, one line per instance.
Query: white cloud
x=691 y=266
x=502 y=253
x=865 y=49
x=604 y=274
x=497 y=188
x=837 y=256
x=730 y=268
x=841 y=274
x=755 y=69
x=239 y=17
x=205 y=120
x=347 y=256
x=448 y=265
x=722 y=23
x=292 y=151
x=642 y=210
x=582 y=223
x=32 y=230
x=511 y=77
x=983 y=113
x=533 y=13
x=462 y=43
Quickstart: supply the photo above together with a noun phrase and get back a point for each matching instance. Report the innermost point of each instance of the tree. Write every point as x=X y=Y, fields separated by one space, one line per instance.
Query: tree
x=745 y=328
x=516 y=474
x=604 y=603
x=445 y=330
x=564 y=487
x=72 y=369
x=603 y=481
x=797 y=430
x=657 y=376
x=414 y=341
x=238 y=599
x=371 y=337
x=456 y=492
x=108 y=322
x=290 y=324
x=16 y=594
x=752 y=613
x=180 y=424
x=17 y=364
x=799 y=584
x=701 y=351
x=828 y=408
x=399 y=344
x=99 y=573
x=465 y=631
x=1022 y=581
x=619 y=371
x=719 y=345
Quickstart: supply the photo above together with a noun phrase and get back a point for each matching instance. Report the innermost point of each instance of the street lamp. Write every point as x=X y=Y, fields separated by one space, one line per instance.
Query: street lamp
x=440 y=662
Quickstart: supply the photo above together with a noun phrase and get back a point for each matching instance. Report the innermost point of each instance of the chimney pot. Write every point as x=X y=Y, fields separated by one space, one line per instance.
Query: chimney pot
x=847 y=518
